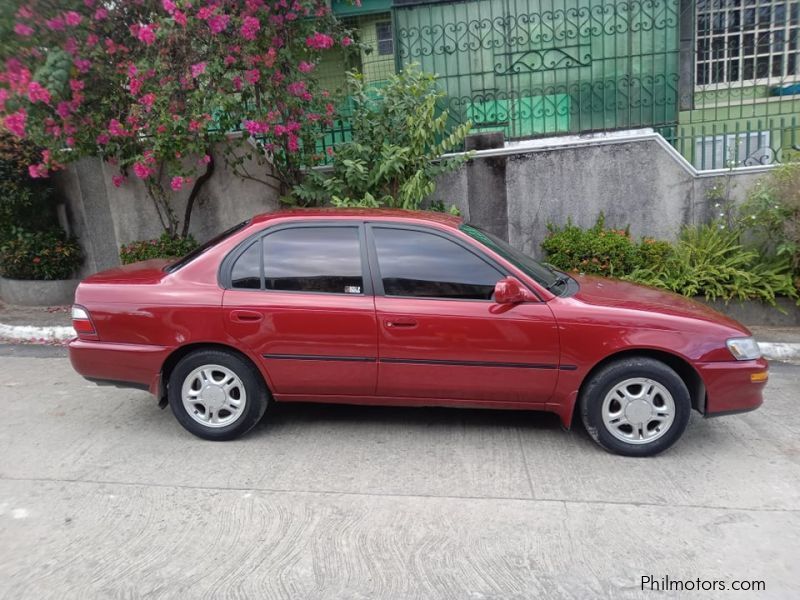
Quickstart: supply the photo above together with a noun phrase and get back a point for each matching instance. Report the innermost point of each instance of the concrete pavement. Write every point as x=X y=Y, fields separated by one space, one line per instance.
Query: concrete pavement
x=103 y=495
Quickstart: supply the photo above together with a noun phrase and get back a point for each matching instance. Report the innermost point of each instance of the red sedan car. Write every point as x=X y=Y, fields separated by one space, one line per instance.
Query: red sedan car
x=412 y=309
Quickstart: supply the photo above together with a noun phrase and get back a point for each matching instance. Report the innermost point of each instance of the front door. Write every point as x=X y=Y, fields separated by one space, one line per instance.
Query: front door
x=298 y=297
x=441 y=336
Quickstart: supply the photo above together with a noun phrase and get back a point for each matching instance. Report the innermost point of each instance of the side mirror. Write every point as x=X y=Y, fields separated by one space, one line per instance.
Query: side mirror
x=510 y=291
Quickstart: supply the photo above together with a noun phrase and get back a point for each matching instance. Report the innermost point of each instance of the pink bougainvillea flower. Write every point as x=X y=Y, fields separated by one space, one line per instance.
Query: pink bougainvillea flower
x=23 y=30
x=144 y=33
x=256 y=127
x=56 y=24
x=63 y=109
x=305 y=67
x=168 y=6
x=101 y=14
x=15 y=122
x=252 y=76
x=198 y=69
x=250 y=27
x=135 y=85
x=319 y=41
x=142 y=170
x=179 y=18
x=194 y=125
x=176 y=183
x=115 y=128
x=72 y=19
x=237 y=83
x=346 y=41
x=147 y=101
x=83 y=65
x=229 y=60
x=3 y=98
x=102 y=139
x=204 y=160
x=218 y=23
x=38 y=93
x=37 y=171
x=118 y=180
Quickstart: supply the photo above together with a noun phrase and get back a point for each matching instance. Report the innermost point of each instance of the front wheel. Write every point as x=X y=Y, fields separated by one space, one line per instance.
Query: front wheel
x=217 y=395
x=635 y=406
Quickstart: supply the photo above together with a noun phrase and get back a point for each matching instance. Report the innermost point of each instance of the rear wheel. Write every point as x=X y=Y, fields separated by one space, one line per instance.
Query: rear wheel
x=217 y=395
x=635 y=406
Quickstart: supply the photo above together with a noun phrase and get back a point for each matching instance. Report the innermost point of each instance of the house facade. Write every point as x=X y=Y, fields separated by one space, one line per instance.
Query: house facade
x=719 y=79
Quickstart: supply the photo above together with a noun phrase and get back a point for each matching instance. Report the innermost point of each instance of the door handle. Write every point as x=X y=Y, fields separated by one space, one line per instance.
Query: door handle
x=246 y=316
x=400 y=323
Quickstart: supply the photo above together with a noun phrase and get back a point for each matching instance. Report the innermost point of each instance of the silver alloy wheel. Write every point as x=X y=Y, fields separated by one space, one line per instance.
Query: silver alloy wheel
x=638 y=410
x=213 y=395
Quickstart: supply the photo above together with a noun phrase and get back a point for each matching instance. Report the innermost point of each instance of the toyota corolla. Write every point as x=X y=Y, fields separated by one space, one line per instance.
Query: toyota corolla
x=406 y=309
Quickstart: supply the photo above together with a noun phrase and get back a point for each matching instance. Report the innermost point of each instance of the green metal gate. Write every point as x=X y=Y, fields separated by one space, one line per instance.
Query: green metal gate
x=532 y=68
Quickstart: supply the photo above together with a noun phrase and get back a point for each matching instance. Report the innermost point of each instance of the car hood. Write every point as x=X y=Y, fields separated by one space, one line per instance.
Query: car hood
x=600 y=291
x=147 y=271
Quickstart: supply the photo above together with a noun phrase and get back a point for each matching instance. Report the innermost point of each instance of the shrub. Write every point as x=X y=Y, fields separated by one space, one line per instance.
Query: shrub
x=44 y=255
x=395 y=153
x=597 y=250
x=163 y=247
x=709 y=260
x=771 y=214
x=652 y=252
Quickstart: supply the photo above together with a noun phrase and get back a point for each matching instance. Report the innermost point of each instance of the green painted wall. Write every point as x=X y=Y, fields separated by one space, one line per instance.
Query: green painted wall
x=539 y=67
x=738 y=116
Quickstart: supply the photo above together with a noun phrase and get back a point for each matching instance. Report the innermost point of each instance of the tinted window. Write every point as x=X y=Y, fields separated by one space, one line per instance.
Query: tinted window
x=314 y=259
x=415 y=263
x=246 y=271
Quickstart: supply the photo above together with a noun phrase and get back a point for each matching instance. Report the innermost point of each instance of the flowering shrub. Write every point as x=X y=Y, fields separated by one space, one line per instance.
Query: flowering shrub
x=151 y=85
x=163 y=247
x=24 y=203
x=44 y=255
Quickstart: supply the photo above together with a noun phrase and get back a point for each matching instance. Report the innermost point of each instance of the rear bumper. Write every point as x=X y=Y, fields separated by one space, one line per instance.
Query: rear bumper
x=729 y=388
x=123 y=365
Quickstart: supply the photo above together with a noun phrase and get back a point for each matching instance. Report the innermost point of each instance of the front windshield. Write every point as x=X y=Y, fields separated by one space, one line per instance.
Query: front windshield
x=542 y=274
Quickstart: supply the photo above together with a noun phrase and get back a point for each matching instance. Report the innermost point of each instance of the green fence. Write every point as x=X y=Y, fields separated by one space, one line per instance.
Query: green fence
x=720 y=79
x=533 y=68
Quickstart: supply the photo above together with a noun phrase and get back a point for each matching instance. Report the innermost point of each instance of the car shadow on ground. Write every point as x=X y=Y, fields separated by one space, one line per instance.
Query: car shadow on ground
x=282 y=414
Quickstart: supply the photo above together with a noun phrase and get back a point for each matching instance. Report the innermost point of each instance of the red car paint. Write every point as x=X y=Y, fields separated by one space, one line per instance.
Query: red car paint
x=376 y=349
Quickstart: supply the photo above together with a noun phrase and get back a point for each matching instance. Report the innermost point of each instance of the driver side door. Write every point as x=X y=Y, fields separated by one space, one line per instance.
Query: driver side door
x=440 y=334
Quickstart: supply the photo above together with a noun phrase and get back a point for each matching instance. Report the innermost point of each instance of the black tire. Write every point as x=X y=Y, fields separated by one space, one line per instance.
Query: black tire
x=255 y=400
x=609 y=376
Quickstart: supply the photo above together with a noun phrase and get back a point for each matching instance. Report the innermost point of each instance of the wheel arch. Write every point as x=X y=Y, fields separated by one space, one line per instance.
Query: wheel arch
x=178 y=353
x=684 y=369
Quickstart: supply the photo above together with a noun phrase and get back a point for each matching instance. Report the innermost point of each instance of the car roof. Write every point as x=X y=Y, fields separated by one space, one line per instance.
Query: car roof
x=393 y=214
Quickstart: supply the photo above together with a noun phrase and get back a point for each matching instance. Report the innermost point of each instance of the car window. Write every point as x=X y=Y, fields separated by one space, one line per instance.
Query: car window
x=420 y=264
x=246 y=272
x=172 y=267
x=313 y=259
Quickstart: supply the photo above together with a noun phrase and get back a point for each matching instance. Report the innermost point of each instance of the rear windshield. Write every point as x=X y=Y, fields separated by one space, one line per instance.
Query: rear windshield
x=172 y=267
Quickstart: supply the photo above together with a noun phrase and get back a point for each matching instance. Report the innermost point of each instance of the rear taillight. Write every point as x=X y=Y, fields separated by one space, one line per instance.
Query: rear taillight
x=82 y=322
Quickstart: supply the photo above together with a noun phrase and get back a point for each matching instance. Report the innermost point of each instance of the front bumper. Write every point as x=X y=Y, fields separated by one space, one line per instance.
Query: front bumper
x=125 y=365
x=730 y=388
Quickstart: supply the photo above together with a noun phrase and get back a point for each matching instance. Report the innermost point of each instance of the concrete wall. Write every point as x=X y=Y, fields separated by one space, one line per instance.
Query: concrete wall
x=105 y=217
x=636 y=179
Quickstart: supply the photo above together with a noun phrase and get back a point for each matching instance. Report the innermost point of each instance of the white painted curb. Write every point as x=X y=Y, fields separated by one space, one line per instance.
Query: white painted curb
x=29 y=333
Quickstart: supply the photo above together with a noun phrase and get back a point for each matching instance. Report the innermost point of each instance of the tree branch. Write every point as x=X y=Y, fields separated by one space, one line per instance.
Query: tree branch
x=198 y=185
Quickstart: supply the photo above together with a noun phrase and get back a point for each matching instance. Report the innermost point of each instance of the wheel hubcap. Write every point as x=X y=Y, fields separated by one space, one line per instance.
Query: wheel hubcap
x=213 y=395
x=638 y=410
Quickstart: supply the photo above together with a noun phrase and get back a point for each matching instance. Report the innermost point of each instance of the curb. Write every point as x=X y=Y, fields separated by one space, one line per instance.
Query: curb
x=29 y=333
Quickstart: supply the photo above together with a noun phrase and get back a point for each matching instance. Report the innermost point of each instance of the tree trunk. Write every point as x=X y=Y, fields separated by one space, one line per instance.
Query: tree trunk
x=198 y=185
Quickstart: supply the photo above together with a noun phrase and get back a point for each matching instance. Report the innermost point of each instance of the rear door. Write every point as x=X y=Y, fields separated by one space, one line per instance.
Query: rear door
x=440 y=334
x=300 y=297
